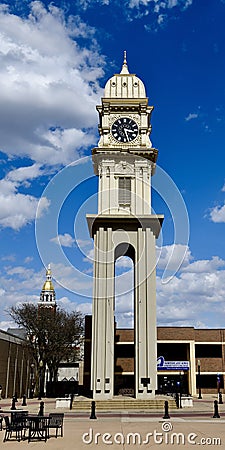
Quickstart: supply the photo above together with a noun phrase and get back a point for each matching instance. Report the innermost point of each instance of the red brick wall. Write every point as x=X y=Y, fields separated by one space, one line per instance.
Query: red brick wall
x=175 y=333
x=124 y=335
x=209 y=335
x=124 y=365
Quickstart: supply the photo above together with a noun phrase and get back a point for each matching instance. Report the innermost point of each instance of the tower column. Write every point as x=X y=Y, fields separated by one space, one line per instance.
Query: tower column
x=103 y=317
x=145 y=315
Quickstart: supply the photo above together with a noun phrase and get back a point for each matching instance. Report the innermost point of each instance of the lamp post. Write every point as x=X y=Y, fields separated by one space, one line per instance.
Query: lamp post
x=32 y=380
x=218 y=385
x=199 y=379
x=40 y=379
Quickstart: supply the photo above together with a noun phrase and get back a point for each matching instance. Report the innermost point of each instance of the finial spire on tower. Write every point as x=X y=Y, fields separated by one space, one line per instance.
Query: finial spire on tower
x=124 y=67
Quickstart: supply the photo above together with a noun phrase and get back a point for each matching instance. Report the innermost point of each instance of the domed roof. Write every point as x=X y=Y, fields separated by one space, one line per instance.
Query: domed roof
x=124 y=84
x=48 y=286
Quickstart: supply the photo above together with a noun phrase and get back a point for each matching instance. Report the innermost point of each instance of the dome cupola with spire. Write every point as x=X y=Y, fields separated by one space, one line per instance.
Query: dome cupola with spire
x=125 y=117
x=124 y=84
x=47 y=296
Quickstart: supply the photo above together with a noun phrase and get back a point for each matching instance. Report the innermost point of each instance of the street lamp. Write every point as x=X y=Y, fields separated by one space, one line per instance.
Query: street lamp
x=32 y=380
x=40 y=379
x=199 y=379
x=218 y=388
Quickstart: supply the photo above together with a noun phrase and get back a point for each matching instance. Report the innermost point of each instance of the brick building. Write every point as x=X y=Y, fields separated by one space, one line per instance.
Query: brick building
x=184 y=351
x=14 y=365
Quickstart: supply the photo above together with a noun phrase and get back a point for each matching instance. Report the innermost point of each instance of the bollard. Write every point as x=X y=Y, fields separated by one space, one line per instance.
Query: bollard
x=93 y=416
x=166 y=414
x=24 y=403
x=177 y=400
x=41 y=410
x=13 y=403
x=71 y=400
x=216 y=412
x=220 y=399
x=15 y=395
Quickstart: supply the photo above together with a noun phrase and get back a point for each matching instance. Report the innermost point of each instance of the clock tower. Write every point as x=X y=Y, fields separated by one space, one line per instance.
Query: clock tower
x=124 y=161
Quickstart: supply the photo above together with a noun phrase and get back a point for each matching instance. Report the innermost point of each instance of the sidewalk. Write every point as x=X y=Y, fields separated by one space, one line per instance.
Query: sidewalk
x=185 y=428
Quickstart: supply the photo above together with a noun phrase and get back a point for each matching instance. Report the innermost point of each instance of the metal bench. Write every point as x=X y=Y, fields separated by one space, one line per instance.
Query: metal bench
x=10 y=428
x=56 y=421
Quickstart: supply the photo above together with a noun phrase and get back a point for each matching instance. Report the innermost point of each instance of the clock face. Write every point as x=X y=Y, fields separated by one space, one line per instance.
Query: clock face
x=124 y=129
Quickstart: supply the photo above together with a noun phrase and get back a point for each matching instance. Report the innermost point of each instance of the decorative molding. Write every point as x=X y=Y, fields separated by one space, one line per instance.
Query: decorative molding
x=124 y=168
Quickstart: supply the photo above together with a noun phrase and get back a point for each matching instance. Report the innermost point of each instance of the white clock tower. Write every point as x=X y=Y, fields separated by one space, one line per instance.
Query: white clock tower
x=124 y=161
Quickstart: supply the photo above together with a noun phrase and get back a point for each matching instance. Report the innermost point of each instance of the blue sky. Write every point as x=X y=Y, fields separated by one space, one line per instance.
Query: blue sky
x=55 y=59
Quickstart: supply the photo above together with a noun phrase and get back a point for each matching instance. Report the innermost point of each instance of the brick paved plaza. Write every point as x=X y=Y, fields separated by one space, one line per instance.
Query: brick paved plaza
x=128 y=430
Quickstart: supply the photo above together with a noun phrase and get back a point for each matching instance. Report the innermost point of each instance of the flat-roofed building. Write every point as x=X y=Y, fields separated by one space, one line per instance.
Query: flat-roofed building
x=182 y=352
x=14 y=365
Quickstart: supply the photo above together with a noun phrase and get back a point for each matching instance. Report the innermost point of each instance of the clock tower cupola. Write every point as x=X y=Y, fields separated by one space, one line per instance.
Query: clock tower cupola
x=125 y=114
x=124 y=159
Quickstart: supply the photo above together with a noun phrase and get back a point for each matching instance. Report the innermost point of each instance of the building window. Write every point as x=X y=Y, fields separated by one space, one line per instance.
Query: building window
x=210 y=382
x=124 y=191
x=208 y=350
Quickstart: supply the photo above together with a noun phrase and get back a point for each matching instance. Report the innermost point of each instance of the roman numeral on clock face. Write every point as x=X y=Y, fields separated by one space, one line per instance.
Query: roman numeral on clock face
x=124 y=129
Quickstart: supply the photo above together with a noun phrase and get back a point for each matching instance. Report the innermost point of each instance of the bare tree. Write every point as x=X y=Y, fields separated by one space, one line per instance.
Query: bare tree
x=52 y=335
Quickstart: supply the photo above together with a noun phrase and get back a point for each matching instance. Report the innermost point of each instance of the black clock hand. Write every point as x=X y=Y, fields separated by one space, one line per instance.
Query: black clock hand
x=126 y=130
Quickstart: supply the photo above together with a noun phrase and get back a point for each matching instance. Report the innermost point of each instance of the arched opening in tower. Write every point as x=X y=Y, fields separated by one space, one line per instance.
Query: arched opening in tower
x=124 y=354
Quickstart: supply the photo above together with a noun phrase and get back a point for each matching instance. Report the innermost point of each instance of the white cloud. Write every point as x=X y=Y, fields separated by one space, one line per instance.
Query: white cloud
x=124 y=262
x=68 y=305
x=157 y=12
x=43 y=205
x=172 y=3
x=17 y=288
x=85 y=308
x=191 y=116
x=19 y=284
x=89 y=256
x=65 y=240
x=198 y=292
x=183 y=4
x=205 y=266
x=17 y=210
x=161 y=18
x=28 y=259
x=72 y=279
x=173 y=256
x=4 y=324
x=24 y=173
x=49 y=85
x=83 y=243
x=157 y=6
x=11 y=258
x=217 y=214
x=194 y=295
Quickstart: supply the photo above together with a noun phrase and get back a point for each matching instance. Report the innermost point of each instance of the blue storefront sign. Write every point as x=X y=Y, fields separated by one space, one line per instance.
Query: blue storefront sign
x=172 y=365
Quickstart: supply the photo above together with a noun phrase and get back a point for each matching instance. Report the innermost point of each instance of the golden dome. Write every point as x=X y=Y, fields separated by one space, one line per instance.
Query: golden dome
x=48 y=286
